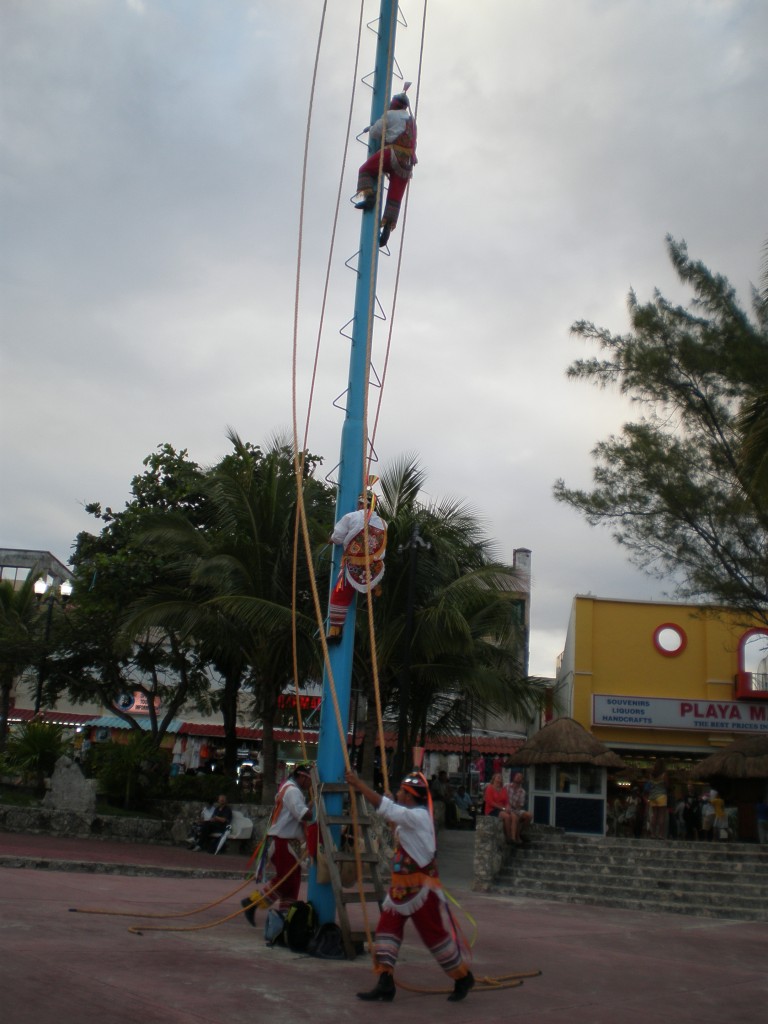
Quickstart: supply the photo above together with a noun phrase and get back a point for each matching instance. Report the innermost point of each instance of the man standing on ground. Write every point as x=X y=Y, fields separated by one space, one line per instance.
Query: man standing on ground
x=286 y=834
x=415 y=891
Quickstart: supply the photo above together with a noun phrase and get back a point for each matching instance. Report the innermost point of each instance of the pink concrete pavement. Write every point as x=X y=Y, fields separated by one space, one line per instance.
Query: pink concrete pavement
x=599 y=966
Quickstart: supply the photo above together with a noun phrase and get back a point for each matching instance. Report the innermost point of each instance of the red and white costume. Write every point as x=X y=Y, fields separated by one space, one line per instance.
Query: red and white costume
x=359 y=572
x=397 y=132
x=415 y=893
x=286 y=834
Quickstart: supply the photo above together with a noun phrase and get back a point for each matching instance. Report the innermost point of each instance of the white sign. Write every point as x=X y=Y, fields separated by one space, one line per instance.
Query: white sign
x=674 y=713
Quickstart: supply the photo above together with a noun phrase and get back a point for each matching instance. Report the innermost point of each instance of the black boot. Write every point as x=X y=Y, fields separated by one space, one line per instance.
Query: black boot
x=250 y=914
x=460 y=987
x=367 y=202
x=384 y=990
x=386 y=229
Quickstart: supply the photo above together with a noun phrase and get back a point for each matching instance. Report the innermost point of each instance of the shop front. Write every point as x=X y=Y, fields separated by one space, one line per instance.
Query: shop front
x=665 y=685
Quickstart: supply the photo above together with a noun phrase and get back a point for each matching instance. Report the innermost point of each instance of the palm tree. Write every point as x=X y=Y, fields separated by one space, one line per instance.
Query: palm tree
x=447 y=624
x=19 y=640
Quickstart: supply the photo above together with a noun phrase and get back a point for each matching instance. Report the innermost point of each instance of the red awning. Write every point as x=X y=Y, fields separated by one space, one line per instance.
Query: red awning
x=443 y=744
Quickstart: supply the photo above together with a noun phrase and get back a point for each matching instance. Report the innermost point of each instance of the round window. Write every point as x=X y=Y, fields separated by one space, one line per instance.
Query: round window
x=670 y=640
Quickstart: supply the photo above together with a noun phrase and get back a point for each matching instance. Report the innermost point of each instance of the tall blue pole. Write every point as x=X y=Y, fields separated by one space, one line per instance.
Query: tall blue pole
x=331 y=752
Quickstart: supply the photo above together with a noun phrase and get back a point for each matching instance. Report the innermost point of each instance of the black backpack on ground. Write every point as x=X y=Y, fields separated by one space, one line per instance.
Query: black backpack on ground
x=300 y=926
x=327 y=943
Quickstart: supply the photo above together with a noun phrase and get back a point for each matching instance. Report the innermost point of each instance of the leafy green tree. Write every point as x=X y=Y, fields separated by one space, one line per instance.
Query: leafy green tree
x=448 y=623
x=753 y=422
x=20 y=640
x=131 y=772
x=236 y=576
x=672 y=486
x=94 y=657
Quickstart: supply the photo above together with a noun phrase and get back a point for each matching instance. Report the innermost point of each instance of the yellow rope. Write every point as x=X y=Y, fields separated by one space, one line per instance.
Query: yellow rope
x=482 y=984
x=139 y=929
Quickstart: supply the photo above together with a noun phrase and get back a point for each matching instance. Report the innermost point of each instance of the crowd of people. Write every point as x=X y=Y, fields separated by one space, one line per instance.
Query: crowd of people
x=654 y=808
x=505 y=801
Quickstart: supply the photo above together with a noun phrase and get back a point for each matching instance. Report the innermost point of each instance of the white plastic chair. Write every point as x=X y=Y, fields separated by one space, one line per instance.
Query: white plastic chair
x=239 y=828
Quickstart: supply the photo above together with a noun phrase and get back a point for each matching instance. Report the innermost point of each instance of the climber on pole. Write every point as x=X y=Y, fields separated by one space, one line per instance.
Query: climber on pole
x=360 y=571
x=398 y=129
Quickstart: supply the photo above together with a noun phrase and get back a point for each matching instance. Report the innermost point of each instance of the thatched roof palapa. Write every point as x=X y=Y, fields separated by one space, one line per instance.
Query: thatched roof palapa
x=745 y=758
x=564 y=741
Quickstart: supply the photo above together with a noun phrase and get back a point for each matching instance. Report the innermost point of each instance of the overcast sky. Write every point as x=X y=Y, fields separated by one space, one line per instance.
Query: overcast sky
x=151 y=177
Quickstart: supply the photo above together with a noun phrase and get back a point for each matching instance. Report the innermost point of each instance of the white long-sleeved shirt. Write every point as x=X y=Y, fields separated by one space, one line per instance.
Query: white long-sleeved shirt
x=415 y=829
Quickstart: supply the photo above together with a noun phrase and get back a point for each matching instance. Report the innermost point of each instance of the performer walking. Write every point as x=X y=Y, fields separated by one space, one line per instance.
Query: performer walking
x=415 y=892
x=359 y=572
x=397 y=132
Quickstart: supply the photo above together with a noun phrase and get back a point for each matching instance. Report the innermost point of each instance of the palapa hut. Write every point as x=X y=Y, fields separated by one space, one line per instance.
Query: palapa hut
x=567 y=776
x=739 y=772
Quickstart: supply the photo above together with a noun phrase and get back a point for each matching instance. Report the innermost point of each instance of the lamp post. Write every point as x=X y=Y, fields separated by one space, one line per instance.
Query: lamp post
x=42 y=587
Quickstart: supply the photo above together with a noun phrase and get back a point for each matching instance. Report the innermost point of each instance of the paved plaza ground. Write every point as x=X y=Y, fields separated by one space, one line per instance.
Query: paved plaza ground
x=598 y=965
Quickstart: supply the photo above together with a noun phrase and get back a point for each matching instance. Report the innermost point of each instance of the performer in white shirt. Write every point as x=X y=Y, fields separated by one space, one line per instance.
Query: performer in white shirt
x=415 y=891
x=360 y=571
x=398 y=128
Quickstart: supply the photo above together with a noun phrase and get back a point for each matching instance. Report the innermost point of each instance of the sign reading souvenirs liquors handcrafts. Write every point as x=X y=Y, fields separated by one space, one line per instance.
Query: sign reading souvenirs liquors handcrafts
x=672 y=713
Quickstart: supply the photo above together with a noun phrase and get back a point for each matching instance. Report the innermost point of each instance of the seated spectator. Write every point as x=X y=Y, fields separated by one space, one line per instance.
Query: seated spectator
x=521 y=818
x=497 y=805
x=214 y=824
x=465 y=808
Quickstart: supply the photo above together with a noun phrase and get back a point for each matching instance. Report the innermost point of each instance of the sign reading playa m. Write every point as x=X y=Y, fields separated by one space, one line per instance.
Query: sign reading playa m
x=673 y=713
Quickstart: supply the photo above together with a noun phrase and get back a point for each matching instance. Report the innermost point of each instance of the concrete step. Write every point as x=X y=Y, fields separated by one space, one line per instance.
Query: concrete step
x=742 y=897
x=650 y=904
x=718 y=884
x=723 y=880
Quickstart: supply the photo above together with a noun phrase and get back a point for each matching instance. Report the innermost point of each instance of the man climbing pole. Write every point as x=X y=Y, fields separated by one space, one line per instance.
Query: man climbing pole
x=361 y=571
x=398 y=129
x=415 y=892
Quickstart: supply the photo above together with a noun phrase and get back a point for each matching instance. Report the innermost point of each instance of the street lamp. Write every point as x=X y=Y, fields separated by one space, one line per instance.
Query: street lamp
x=41 y=589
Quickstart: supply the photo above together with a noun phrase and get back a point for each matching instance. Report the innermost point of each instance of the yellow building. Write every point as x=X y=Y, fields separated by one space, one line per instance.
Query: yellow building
x=658 y=681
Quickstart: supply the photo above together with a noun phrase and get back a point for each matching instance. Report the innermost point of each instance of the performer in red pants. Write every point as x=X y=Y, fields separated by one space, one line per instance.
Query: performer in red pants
x=361 y=569
x=415 y=892
x=397 y=132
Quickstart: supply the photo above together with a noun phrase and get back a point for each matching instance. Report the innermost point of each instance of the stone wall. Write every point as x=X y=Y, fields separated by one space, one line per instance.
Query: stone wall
x=170 y=828
x=491 y=851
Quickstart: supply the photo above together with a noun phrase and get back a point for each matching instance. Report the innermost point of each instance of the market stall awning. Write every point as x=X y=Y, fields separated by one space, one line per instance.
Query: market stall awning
x=51 y=717
x=115 y=722
x=503 y=745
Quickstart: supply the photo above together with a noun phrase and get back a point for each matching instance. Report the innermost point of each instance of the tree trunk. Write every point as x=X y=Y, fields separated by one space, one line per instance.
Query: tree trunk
x=370 y=739
x=5 y=708
x=229 y=717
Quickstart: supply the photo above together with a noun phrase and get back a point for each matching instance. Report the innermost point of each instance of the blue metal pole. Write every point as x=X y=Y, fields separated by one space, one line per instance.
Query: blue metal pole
x=330 y=757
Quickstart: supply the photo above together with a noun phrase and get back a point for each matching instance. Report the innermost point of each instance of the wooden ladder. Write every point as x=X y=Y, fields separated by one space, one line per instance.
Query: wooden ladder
x=373 y=890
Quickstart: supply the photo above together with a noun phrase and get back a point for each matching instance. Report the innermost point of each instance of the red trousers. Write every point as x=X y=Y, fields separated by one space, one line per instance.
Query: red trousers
x=432 y=923
x=284 y=861
x=368 y=175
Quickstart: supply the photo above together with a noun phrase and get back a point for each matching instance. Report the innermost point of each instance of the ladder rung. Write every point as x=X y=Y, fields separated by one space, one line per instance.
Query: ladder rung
x=342 y=857
x=353 y=896
x=345 y=819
